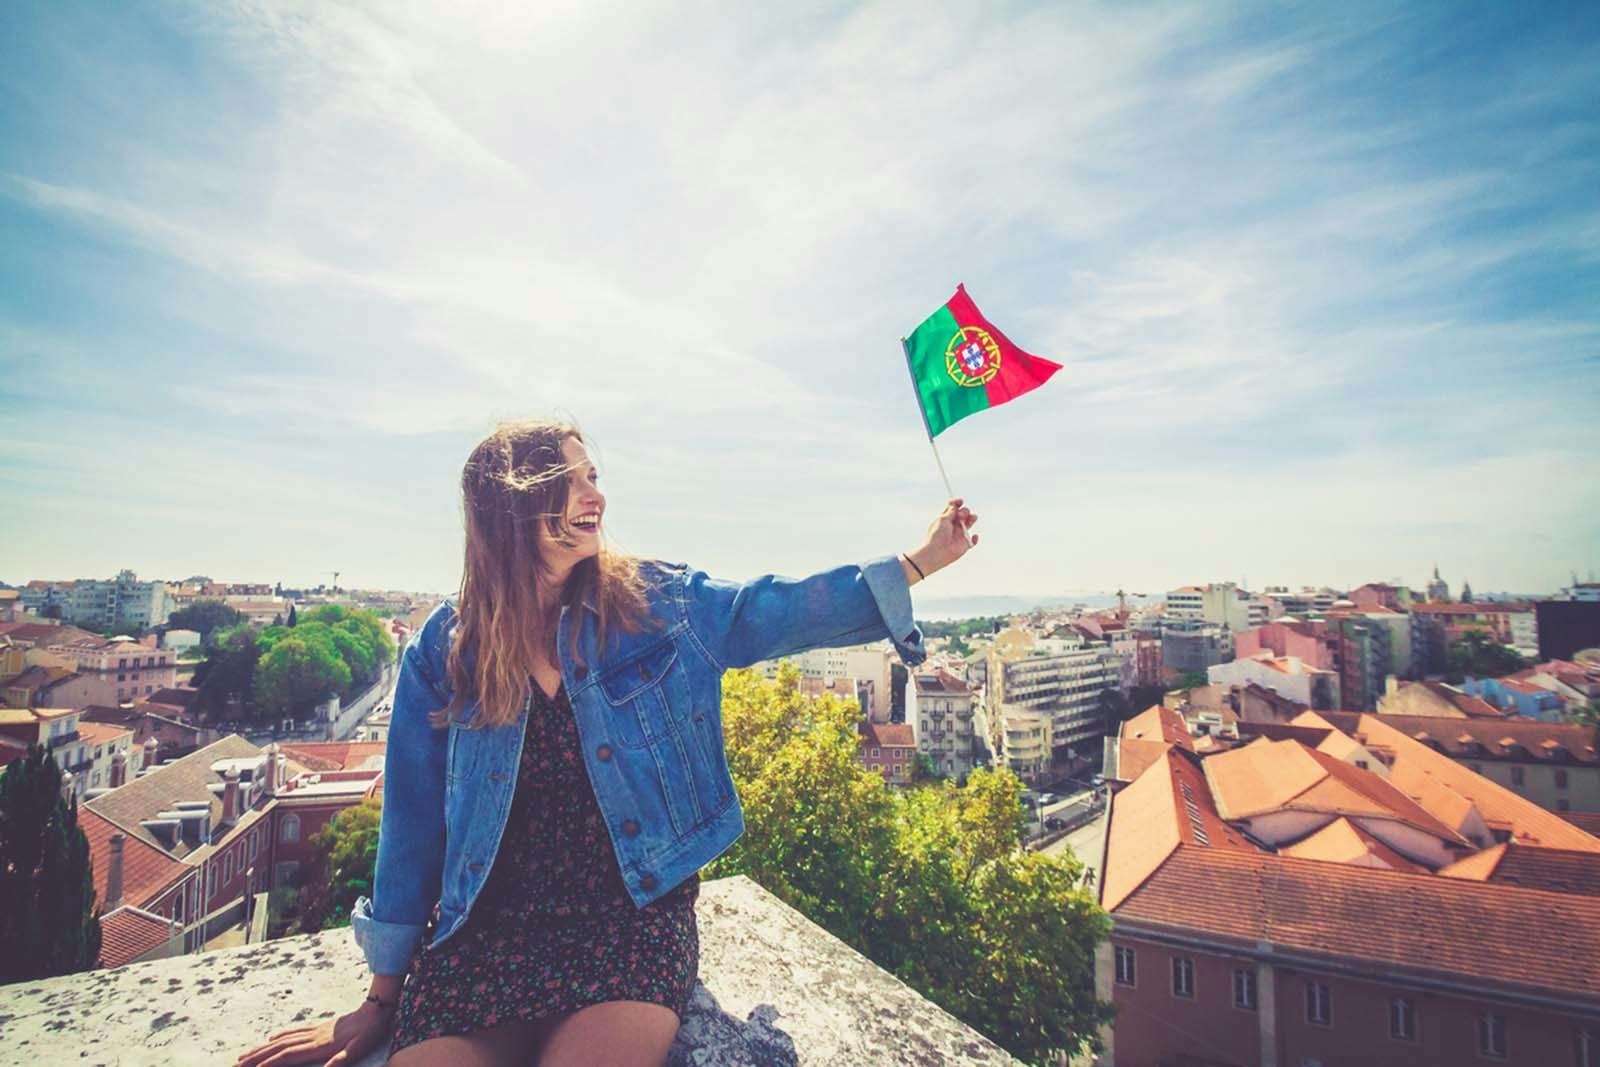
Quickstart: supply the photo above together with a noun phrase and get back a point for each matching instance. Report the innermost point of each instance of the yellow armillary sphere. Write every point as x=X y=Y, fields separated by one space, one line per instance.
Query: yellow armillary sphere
x=972 y=357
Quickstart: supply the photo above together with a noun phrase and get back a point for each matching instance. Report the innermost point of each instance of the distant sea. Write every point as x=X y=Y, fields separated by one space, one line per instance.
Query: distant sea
x=933 y=609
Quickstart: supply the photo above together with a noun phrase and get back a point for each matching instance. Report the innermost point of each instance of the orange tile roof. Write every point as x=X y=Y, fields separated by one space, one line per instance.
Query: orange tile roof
x=887 y=735
x=1387 y=922
x=147 y=871
x=336 y=755
x=128 y=933
x=1134 y=756
x=100 y=733
x=1530 y=823
x=1158 y=723
x=1342 y=841
x=1587 y=821
x=1442 y=802
x=1518 y=739
x=1167 y=806
x=1557 y=870
x=1267 y=776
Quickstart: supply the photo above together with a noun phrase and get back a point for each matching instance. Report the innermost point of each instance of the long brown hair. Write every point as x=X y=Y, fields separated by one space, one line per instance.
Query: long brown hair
x=515 y=480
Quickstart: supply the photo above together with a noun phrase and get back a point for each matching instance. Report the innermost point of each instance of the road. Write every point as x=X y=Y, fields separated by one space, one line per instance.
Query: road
x=1087 y=842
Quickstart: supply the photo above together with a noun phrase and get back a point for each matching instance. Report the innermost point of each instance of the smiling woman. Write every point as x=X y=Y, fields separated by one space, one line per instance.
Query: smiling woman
x=555 y=774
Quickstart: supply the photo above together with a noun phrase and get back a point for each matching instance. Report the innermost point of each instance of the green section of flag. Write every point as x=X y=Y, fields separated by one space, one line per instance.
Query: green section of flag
x=944 y=403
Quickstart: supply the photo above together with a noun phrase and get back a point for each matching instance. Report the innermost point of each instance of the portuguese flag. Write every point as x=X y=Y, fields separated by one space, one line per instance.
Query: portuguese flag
x=962 y=364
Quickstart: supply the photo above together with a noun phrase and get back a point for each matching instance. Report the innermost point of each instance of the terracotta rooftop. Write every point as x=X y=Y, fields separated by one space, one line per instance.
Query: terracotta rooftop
x=940 y=682
x=1529 y=823
x=1522 y=740
x=1587 y=821
x=1158 y=723
x=1395 y=922
x=101 y=733
x=1134 y=757
x=1269 y=776
x=1453 y=703
x=128 y=933
x=1558 y=870
x=1167 y=806
x=337 y=755
x=146 y=869
x=1342 y=841
x=887 y=735
x=159 y=789
x=34 y=633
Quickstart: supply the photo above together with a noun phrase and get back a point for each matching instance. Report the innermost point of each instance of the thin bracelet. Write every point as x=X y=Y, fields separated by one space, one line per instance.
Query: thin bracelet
x=914 y=566
x=372 y=998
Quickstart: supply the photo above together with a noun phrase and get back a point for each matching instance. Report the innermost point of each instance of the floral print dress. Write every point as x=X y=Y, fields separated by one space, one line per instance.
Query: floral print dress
x=554 y=929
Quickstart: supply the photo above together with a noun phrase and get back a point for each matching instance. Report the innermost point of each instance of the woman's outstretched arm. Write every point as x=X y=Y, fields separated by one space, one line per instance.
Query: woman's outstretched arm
x=738 y=624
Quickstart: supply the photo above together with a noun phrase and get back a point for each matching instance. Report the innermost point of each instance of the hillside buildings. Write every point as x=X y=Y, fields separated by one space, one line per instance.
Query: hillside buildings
x=939 y=710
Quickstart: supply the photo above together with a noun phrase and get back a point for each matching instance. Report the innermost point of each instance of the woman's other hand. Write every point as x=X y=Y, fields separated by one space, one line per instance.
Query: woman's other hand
x=340 y=1042
x=949 y=538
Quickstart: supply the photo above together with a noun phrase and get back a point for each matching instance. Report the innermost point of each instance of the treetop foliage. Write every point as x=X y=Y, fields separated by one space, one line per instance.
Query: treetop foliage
x=930 y=883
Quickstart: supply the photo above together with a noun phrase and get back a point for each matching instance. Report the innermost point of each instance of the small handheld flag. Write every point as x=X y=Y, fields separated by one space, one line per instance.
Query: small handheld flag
x=962 y=364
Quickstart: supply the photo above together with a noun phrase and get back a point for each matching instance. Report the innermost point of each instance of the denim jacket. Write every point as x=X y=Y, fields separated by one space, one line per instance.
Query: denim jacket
x=649 y=716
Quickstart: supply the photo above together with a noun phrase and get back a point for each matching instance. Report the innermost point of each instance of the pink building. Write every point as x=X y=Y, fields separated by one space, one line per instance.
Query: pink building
x=890 y=749
x=1313 y=643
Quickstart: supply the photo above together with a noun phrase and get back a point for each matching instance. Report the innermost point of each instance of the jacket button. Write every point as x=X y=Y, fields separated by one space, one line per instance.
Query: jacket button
x=604 y=752
x=644 y=672
x=647 y=883
x=580 y=673
x=630 y=827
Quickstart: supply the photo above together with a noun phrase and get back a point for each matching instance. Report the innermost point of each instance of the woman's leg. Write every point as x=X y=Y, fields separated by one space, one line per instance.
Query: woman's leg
x=507 y=1045
x=618 y=1033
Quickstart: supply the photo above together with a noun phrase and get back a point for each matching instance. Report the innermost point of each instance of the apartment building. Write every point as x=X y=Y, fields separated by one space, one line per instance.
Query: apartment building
x=866 y=663
x=939 y=709
x=1066 y=685
x=1288 y=676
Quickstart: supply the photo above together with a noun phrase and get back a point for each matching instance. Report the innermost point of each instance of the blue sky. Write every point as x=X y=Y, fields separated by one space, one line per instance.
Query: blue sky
x=1325 y=280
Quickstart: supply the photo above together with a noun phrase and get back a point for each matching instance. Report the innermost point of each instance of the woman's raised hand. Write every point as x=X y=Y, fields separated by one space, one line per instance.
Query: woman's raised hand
x=949 y=538
x=340 y=1042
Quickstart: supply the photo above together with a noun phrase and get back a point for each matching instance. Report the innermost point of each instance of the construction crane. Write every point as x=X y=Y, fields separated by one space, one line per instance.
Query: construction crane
x=335 y=580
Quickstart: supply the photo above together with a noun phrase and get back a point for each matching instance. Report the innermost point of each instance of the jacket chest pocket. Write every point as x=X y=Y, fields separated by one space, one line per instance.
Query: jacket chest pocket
x=648 y=695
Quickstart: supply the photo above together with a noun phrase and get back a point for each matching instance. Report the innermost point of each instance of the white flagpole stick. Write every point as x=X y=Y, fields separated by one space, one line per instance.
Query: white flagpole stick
x=950 y=494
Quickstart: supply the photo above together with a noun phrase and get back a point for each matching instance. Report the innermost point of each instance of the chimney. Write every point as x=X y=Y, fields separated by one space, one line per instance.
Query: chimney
x=114 y=872
x=150 y=749
x=66 y=787
x=119 y=768
x=230 y=796
x=280 y=773
x=268 y=775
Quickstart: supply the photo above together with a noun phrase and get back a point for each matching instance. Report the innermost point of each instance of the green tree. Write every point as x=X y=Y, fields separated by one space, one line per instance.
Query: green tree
x=207 y=616
x=931 y=883
x=923 y=769
x=228 y=671
x=346 y=853
x=1477 y=654
x=293 y=617
x=300 y=671
x=1189 y=680
x=48 y=922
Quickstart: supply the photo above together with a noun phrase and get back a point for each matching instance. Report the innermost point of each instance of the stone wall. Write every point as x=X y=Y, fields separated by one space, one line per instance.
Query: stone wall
x=775 y=989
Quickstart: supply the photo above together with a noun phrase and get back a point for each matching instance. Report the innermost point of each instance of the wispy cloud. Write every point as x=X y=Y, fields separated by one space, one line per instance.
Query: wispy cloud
x=1295 y=262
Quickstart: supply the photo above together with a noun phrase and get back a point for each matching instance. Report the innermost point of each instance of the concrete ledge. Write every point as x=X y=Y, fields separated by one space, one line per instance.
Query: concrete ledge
x=775 y=989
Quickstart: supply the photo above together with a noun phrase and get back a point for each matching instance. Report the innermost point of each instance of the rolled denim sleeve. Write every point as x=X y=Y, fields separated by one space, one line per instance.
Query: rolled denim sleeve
x=411 y=832
x=740 y=623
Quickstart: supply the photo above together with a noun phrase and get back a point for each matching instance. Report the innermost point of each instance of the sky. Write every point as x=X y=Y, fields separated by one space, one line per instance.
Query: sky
x=1324 y=279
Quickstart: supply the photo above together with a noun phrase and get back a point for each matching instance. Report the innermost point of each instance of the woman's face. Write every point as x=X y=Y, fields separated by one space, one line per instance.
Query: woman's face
x=585 y=506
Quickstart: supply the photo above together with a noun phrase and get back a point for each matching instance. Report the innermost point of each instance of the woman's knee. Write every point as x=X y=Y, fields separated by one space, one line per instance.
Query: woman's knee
x=618 y=1033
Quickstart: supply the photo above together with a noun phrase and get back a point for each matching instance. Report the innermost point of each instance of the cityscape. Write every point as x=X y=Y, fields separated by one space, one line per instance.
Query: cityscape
x=1297 y=750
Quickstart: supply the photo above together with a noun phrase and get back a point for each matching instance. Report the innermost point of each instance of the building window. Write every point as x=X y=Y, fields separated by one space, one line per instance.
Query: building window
x=899 y=769
x=1362 y=764
x=252 y=845
x=1402 y=1019
x=149 y=661
x=289 y=829
x=1183 y=977
x=177 y=908
x=874 y=753
x=94 y=779
x=1561 y=778
x=227 y=868
x=149 y=689
x=1516 y=776
x=1492 y=1035
x=1244 y=988
x=1319 y=1004
x=1127 y=967
x=211 y=881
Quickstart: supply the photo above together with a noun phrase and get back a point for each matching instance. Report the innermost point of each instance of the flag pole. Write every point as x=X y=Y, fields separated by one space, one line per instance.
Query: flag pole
x=950 y=493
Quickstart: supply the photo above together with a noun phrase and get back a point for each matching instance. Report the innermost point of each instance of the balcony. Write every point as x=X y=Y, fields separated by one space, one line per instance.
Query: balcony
x=774 y=989
x=65 y=739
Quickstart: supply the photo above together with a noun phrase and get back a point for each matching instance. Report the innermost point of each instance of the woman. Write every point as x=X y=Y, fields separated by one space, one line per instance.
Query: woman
x=547 y=835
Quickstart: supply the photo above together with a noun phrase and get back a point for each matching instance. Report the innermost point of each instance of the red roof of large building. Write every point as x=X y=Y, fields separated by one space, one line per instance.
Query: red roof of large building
x=1391 y=922
x=1518 y=740
x=1158 y=723
x=1556 y=869
x=128 y=933
x=336 y=755
x=147 y=871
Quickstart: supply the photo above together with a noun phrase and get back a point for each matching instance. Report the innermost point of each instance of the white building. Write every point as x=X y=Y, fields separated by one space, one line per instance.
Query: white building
x=867 y=663
x=1025 y=740
x=120 y=601
x=939 y=708
x=1221 y=603
x=1067 y=686
x=1288 y=676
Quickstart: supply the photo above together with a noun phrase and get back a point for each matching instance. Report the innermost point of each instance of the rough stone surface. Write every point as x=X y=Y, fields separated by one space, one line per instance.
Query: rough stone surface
x=775 y=989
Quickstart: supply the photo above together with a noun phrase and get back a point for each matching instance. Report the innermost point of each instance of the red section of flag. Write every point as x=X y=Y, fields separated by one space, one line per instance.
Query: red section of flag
x=1019 y=371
